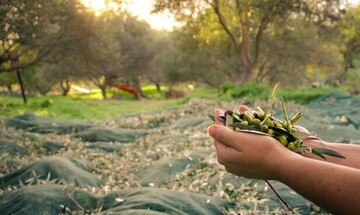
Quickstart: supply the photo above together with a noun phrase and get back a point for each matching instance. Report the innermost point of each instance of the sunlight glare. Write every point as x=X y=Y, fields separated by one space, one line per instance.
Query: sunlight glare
x=100 y=6
x=142 y=9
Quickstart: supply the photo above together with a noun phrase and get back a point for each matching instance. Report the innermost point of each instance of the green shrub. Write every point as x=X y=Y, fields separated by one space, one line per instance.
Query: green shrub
x=251 y=91
x=257 y=91
x=225 y=87
x=46 y=103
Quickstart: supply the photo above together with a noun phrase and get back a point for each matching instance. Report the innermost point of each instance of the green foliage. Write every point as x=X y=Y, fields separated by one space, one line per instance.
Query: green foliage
x=250 y=91
x=257 y=91
x=151 y=92
x=46 y=103
x=273 y=42
x=37 y=79
x=227 y=86
x=304 y=95
x=8 y=79
x=30 y=30
x=204 y=92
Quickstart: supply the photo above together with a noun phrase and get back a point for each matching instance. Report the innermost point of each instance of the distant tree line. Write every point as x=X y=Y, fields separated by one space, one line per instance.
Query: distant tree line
x=53 y=43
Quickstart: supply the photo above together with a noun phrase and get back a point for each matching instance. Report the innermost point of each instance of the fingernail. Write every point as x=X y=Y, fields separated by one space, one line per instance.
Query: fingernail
x=212 y=130
x=219 y=112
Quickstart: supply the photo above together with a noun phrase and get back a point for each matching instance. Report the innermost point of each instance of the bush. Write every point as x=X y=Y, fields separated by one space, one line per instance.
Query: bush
x=251 y=91
x=225 y=87
x=46 y=103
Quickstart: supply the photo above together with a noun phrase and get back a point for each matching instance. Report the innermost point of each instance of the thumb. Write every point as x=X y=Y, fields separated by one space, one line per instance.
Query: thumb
x=236 y=139
x=223 y=134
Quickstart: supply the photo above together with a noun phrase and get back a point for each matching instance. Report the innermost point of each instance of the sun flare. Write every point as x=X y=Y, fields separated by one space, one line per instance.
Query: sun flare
x=99 y=6
x=140 y=8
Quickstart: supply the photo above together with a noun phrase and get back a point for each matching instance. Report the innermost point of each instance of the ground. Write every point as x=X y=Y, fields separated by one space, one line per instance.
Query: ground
x=154 y=163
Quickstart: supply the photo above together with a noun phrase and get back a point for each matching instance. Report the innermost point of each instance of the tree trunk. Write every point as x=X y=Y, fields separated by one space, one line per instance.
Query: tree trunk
x=246 y=74
x=157 y=84
x=347 y=65
x=158 y=88
x=103 y=92
x=139 y=93
x=21 y=86
x=103 y=86
x=246 y=64
x=65 y=87
x=9 y=89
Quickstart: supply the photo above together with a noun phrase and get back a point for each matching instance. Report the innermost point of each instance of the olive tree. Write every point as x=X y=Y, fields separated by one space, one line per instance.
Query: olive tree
x=246 y=22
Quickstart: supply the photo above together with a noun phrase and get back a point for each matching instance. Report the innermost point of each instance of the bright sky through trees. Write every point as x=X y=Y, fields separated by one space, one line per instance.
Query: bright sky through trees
x=139 y=8
x=99 y=5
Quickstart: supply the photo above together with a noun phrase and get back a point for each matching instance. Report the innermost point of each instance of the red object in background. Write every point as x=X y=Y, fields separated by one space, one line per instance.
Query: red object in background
x=127 y=88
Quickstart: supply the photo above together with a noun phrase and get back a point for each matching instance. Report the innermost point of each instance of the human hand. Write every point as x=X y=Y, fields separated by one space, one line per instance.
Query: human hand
x=246 y=154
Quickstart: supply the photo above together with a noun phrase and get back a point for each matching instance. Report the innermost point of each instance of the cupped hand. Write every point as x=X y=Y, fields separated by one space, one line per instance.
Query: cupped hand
x=246 y=154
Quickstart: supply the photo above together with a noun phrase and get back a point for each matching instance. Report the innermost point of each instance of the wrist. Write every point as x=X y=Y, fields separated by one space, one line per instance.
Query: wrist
x=286 y=162
x=279 y=161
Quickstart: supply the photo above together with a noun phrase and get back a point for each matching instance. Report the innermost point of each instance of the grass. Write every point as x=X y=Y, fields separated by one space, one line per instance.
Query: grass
x=76 y=108
x=91 y=106
x=305 y=95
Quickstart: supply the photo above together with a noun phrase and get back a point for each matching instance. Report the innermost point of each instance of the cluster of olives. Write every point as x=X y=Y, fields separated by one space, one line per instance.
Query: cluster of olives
x=262 y=122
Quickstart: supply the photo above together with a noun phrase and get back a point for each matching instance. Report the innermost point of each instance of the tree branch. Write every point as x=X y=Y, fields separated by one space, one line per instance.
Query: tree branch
x=263 y=25
x=216 y=7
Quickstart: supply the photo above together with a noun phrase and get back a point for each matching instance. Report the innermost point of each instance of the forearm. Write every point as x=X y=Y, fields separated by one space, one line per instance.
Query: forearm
x=351 y=152
x=333 y=187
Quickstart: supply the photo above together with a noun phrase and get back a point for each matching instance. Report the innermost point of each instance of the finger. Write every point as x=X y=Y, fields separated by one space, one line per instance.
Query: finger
x=225 y=154
x=301 y=129
x=218 y=112
x=243 y=108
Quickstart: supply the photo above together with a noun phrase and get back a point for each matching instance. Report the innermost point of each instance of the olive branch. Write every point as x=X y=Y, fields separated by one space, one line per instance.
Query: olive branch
x=261 y=122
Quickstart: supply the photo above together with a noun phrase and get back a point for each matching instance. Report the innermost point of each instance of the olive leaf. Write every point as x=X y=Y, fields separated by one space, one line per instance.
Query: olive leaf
x=296 y=118
x=222 y=119
x=329 y=152
x=241 y=127
x=273 y=94
x=284 y=110
x=212 y=117
x=284 y=132
x=316 y=152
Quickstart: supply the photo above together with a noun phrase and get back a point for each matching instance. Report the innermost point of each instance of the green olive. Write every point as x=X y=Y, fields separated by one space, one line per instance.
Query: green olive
x=265 y=128
x=291 y=146
x=244 y=122
x=283 y=140
x=270 y=132
x=249 y=117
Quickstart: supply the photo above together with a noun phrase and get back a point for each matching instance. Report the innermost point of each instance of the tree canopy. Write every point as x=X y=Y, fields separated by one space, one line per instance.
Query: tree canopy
x=247 y=24
x=56 y=43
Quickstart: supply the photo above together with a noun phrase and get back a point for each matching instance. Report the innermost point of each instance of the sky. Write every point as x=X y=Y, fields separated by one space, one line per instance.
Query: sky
x=140 y=8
